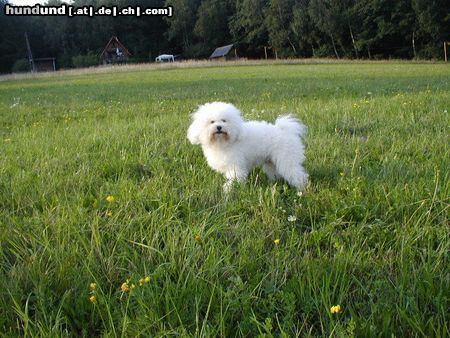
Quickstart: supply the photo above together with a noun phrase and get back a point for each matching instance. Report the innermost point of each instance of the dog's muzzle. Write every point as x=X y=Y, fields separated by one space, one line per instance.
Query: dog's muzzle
x=219 y=133
x=219 y=130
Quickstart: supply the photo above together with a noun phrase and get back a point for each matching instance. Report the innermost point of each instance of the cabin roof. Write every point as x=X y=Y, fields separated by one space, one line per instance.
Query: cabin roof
x=221 y=51
x=112 y=44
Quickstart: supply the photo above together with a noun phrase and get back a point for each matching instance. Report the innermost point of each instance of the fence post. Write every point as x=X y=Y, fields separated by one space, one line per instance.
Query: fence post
x=445 y=51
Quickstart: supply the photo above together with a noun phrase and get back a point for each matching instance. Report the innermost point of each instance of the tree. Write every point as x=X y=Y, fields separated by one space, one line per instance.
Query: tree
x=278 y=18
x=248 y=26
x=328 y=17
x=212 y=25
x=181 y=26
x=12 y=41
x=303 y=30
x=433 y=25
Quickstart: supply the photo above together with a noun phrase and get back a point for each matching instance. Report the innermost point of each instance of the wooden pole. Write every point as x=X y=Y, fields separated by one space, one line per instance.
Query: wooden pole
x=265 y=51
x=30 y=55
x=445 y=51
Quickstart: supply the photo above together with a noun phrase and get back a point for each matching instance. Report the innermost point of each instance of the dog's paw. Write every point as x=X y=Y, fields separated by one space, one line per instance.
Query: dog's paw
x=227 y=186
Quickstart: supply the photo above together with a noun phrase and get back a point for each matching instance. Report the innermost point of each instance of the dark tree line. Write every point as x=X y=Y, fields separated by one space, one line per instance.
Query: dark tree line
x=290 y=28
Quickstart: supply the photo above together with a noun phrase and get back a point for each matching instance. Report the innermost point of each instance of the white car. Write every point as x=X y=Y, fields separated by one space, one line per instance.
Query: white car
x=165 y=58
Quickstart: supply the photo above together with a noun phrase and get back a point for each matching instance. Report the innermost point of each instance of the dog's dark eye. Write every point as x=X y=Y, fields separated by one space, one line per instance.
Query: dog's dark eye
x=224 y=121
x=212 y=122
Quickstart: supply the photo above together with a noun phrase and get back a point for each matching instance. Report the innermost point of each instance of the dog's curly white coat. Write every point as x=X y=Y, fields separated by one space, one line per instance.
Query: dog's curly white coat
x=233 y=146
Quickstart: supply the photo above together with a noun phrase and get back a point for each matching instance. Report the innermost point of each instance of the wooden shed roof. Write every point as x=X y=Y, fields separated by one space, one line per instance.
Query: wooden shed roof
x=113 y=43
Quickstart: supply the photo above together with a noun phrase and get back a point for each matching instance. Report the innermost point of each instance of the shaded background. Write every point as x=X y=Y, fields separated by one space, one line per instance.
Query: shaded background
x=369 y=29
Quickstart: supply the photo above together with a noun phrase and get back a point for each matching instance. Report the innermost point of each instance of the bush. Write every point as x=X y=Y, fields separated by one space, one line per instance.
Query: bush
x=21 y=66
x=65 y=60
x=197 y=50
x=324 y=51
x=88 y=60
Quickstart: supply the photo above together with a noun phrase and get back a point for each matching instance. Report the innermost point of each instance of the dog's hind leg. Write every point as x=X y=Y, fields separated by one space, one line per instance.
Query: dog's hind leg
x=299 y=179
x=270 y=170
x=292 y=172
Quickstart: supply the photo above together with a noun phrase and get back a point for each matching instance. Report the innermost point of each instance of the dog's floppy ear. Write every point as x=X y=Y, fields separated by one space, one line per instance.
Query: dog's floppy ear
x=194 y=130
x=193 y=133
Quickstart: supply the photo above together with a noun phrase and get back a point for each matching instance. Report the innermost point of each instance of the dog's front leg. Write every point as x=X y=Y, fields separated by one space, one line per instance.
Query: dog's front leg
x=232 y=176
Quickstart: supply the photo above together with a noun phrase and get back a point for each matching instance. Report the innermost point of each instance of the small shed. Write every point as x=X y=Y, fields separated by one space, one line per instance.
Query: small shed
x=114 y=52
x=224 y=53
x=44 y=65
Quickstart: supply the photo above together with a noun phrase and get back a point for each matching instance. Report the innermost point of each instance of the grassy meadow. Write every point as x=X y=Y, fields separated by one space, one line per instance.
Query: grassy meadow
x=112 y=224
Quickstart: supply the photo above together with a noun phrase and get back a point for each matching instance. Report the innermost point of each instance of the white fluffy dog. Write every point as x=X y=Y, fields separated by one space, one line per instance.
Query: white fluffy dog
x=233 y=146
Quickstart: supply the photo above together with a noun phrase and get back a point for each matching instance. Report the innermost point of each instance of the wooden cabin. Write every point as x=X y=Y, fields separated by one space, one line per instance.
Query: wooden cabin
x=114 y=52
x=44 y=65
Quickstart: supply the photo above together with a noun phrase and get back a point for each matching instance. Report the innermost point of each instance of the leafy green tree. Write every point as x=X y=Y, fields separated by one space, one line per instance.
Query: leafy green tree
x=328 y=17
x=385 y=28
x=211 y=27
x=248 y=26
x=278 y=18
x=433 y=25
x=180 y=32
x=303 y=30
x=12 y=41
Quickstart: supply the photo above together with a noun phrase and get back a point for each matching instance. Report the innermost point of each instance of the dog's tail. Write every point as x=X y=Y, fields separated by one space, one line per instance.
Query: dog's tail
x=292 y=125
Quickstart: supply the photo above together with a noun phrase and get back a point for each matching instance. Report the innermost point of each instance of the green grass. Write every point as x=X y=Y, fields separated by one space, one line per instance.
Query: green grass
x=371 y=231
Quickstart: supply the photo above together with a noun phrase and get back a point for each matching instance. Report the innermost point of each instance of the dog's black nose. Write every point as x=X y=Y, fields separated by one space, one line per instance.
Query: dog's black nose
x=219 y=128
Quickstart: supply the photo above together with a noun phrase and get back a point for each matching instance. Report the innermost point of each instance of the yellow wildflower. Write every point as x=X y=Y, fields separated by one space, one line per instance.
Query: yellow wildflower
x=93 y=286
x=93 y=299
x=143 y=281
x=198 y=238
x=110 y=199
x=277 y=241
x=125 y=287
x=336 y=309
